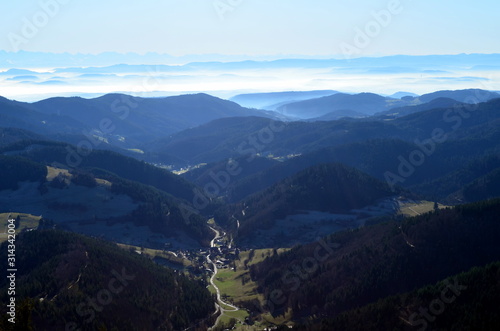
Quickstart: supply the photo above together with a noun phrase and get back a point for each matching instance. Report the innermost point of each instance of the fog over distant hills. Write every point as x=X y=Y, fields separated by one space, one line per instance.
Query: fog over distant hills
x=30 y=76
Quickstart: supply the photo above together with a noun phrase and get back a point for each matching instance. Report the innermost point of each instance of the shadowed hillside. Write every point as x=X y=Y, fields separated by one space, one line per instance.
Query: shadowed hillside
x=68 y=281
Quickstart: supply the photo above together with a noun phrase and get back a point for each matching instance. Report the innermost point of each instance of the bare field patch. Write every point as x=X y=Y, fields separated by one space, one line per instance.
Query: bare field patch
x=415 y=208
x=27 y=221
x=54 y=172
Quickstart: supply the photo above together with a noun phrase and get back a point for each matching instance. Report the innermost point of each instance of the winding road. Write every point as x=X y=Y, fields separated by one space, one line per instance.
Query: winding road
x=220 y=303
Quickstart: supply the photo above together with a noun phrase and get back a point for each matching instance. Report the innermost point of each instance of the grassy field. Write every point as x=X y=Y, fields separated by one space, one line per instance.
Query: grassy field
x=152 y=253
x=415 y=208
x=27 y=222
x=211 y=289
x=239 y=315
x=231 y=285
x=136 y=150
x=279 y=320
x=54 y=172
x=236 y=287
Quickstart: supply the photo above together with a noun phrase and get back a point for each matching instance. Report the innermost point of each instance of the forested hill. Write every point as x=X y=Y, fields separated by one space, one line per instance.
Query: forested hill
x=148 y=206
x=71 y=282
x=371 y=263
x=11 y=135
x=468 y=301
x=232 y=137
x=126 y=167
x=331 y=188
x=17 y=169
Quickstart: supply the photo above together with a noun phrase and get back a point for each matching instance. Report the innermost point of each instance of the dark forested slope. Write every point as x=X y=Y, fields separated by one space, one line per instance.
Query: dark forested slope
x=331 y=188
x=360 y=267
x=74 y=282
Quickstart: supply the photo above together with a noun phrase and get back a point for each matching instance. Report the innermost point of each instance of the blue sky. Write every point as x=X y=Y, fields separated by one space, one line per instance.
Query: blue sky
x=252 y=27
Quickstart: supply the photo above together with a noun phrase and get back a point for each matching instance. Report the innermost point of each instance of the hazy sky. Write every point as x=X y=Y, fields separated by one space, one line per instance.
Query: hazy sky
x=252 y=27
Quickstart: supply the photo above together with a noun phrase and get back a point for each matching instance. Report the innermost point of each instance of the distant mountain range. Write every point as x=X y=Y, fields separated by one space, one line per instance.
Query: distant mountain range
x=54 y=60
x=190 y=129
x=465 y=96
x=36 y=76
x=400 y=95
x=118 y=120
x=365 y=103
x=369 y=103
x=441 y=102
x=271 y=101
x=228 y=137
